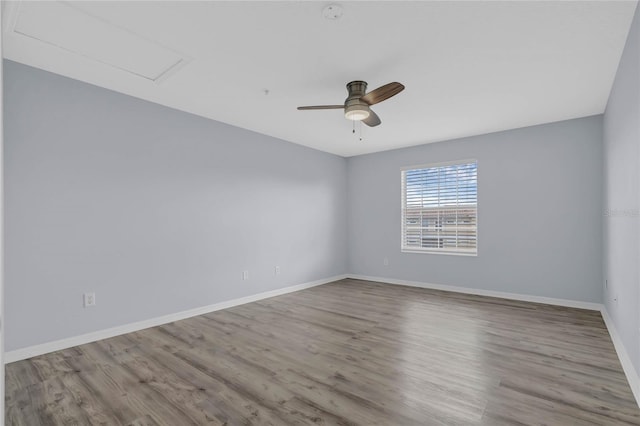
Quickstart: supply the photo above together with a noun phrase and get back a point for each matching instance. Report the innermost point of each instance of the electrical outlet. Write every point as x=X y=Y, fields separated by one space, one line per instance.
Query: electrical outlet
x=385 y=261
x=245 y=275
x=89 y=299
x=276 y=270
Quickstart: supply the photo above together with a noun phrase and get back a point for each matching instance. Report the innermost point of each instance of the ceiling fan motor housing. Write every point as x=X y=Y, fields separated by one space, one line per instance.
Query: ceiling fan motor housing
x=354 y=108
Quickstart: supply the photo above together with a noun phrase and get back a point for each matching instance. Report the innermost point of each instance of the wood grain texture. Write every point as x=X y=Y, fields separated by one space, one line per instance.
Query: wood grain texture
x=346 y=353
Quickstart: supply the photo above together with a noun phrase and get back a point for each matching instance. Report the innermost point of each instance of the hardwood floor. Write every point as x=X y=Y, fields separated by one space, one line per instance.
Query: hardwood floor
x=345 y=353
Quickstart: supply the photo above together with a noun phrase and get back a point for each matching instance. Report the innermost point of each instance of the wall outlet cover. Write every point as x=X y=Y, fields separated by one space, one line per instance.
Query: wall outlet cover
x=89 y=299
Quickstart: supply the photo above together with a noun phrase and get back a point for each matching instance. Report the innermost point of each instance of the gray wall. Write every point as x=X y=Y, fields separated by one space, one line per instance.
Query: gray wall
x=159 y=211
x=539 y=212
x=622 y=196
x=155 y=210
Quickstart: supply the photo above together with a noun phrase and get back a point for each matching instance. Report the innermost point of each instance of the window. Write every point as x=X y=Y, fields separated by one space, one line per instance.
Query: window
x=440 y=208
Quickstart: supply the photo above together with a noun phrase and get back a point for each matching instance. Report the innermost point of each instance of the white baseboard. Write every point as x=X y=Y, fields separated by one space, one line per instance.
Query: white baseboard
x=490 y=293
x=623 y=355
x=31 y=351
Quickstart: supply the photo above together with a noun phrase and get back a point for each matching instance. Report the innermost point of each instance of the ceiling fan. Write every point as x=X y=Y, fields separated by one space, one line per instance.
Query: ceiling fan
x=357 y=105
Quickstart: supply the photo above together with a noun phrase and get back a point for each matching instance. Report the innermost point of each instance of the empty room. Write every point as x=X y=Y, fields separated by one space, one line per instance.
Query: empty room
x=320 y=213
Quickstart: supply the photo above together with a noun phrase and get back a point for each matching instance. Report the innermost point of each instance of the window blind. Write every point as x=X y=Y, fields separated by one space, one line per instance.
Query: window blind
x=440 y=208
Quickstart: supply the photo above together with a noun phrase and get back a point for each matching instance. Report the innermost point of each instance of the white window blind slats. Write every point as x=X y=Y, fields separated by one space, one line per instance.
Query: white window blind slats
x=439 y=208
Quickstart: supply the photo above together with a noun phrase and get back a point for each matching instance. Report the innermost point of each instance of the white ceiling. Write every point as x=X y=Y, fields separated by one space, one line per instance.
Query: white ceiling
x=469 y=67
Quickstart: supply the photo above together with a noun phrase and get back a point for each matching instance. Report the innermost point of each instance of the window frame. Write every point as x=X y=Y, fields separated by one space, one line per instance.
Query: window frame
x=403 y=201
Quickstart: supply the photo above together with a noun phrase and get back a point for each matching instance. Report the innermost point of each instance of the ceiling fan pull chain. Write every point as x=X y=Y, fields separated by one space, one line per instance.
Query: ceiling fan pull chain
x=360 y=131
x=354 y=127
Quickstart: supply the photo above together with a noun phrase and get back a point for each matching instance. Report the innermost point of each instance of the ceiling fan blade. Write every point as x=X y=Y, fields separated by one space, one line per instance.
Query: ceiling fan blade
x=373 y=120
x=304 y=108
x=382 y=93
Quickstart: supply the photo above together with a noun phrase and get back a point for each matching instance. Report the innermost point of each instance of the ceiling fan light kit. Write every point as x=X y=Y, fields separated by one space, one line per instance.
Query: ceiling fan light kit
x=356 y=112
x=357 y=105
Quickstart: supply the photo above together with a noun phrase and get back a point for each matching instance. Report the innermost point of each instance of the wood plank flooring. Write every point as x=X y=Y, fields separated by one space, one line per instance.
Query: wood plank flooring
x=346 y=353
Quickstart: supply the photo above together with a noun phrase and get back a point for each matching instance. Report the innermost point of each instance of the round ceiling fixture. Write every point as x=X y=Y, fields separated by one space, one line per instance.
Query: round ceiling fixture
x=332 y=12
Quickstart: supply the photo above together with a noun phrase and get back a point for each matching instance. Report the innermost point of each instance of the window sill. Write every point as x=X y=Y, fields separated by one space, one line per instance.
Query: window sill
x=449 y=253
